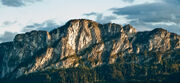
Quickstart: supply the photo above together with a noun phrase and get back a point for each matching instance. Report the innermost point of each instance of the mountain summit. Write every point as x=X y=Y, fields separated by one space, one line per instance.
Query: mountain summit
x=86 y=44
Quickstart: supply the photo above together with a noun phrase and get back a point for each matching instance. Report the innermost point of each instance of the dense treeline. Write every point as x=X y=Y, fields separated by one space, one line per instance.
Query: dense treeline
x=114 y=73
x=158 y=67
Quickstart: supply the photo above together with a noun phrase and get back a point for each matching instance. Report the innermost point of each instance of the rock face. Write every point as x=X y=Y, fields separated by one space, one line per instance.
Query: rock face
x=85 y=43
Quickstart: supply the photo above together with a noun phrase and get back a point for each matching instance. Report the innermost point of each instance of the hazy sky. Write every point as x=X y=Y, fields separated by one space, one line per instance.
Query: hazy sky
x=18 y=16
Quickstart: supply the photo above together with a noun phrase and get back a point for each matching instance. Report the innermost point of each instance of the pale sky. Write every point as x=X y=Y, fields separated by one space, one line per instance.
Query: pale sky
x=19 y=16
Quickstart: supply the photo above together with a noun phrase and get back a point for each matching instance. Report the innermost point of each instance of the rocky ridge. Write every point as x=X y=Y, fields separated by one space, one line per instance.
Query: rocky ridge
x=85 y=43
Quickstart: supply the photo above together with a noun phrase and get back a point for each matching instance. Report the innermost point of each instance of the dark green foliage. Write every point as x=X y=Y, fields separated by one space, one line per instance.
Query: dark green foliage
x=127 y=69
x=114 y=73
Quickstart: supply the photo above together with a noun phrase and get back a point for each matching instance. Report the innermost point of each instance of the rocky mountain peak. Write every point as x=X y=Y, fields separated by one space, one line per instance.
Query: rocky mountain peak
x=81 y=43
x=81 y=22
x=159 y=31
x=129 y=29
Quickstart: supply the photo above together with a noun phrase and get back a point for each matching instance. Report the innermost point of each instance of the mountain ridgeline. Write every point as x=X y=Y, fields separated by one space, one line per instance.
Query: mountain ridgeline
x=84 y=51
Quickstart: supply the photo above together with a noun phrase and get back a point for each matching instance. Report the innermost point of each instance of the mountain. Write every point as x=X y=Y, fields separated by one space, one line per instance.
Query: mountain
x=86 y=51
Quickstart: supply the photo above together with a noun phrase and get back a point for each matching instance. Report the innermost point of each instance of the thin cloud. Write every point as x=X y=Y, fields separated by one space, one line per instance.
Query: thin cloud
x=7 y=36
x=128 y=1
x=17 y=3
x=6 y=23
x=101 y=18
x=46 y=25
x=173 y=1
x=89 y=14
x=165 y=13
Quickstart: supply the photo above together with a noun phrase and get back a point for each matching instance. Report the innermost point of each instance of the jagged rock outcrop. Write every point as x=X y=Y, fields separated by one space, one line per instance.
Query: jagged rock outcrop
x=84 y=43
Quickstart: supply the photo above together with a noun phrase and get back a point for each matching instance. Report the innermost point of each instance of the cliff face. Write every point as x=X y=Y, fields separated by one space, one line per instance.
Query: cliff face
x=85 y=43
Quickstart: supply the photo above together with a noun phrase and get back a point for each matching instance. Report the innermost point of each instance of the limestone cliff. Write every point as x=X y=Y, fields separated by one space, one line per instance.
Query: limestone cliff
x=85 y=43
